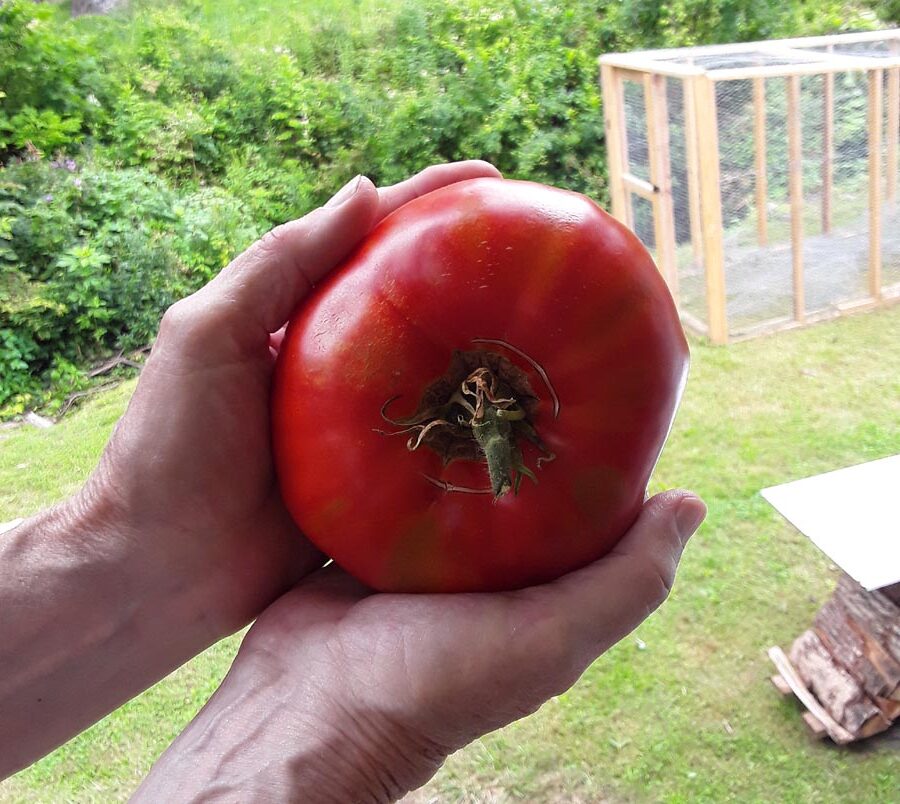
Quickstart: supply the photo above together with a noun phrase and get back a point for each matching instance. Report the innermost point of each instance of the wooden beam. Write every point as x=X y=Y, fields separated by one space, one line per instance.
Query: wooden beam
x=637 y=62
x=641 y=187
x=693 y=323
x=885 y=35
x=692 y=157
x=785 y=70
x=657 y=107
x=827 y=148
x=616 y=155
x=876 y=78
x=839 y=310
x=759 y=141
x=706 y=126
x=893 y=131
x=11 y=525
x=784 y=689
x=795 y=184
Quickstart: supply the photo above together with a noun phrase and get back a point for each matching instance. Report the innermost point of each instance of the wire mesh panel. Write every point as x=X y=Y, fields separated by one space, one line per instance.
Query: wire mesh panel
x=636 y=130
x=758 y=266
x=876 y=49
x=800 y=247
x=768 y=173
x=836 y=252
x=890 y=229
x=642 y=210
x=685 y=206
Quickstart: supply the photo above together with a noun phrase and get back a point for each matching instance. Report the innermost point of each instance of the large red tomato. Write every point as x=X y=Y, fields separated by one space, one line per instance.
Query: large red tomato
x=476 y=398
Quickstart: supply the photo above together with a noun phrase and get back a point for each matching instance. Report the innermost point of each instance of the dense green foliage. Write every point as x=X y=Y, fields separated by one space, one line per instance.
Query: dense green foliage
x=140 y=153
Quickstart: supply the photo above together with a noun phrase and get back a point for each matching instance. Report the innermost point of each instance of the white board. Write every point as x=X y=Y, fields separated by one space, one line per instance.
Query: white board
x=852 y=515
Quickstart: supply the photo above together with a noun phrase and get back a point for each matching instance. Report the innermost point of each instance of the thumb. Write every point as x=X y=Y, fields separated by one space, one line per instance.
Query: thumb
x=600 y=604
x=265 y=283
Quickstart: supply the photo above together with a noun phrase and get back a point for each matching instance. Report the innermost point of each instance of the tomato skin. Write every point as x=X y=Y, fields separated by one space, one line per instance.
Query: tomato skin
x=542 y=269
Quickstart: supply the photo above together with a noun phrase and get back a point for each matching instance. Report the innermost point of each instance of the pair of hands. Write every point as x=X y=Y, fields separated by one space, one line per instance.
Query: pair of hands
x=336 y=693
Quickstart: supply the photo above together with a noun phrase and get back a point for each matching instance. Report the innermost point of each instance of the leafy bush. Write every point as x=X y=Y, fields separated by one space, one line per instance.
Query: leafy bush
x=91 y=257
x=50 y=82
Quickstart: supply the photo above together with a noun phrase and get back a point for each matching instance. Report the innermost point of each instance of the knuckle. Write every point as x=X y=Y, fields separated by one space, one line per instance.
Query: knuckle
x=191 y=320
x=272 y=239
x=655 y=580
x=176 y=320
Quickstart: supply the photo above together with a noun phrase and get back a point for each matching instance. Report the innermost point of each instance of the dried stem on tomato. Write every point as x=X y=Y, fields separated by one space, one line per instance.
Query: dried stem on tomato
x=480 y=410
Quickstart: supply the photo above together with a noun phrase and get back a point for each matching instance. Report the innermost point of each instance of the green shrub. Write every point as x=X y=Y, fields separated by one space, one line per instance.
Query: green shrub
x=51 y=85
x=92 y=256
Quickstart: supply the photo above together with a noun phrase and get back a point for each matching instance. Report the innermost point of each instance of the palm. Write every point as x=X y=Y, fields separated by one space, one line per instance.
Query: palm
x=211 y=479
x=459 y=665
x=448 y=668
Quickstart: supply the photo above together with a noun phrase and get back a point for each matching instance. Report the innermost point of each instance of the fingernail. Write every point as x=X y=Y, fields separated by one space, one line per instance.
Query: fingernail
x=345 y=193
x=690 y=513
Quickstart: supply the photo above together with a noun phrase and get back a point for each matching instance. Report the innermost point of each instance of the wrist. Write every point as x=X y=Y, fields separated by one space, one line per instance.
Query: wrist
x=290 y=737
x=148 y=564
x=90 y=629
x=348 y=750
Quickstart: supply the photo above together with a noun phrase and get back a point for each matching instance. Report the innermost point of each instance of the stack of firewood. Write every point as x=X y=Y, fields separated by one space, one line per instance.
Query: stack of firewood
x=846 y=668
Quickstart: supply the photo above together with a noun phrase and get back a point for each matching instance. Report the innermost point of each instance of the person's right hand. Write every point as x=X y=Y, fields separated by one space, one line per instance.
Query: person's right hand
x=187 y=482
x=342 y=695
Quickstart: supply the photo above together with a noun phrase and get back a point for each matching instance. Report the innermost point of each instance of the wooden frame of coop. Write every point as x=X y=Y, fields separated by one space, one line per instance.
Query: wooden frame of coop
x=700 y=70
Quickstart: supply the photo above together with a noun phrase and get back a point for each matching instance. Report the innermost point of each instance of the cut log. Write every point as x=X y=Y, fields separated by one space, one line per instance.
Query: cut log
x=856 y=650
x=874 y=612
x=892 y=593
x=840 y=694
x=889 y=707
x=835 y=730
x=816 y=727
x=781 y=685
x=846 y=668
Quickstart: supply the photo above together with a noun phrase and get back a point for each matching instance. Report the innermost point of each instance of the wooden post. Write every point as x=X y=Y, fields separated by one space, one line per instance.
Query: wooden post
x=795 y=183
x=875 y=102
x=762 y=180
x=893 y=131
x=692 y=157
x=827 y=150
x=706 y=126
x=661 y=176
x=616 y=155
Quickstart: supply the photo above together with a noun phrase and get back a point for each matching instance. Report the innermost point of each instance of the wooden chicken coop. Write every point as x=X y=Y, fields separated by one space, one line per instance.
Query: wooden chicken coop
x=762 y=175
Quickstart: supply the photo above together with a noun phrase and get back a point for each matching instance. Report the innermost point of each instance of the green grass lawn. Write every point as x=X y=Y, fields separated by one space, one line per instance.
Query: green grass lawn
x=279 y=22
x=682 y=711
x=247 y=27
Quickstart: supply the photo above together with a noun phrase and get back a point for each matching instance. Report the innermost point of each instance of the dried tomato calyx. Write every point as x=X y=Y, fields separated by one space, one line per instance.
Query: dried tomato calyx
x=479 y=410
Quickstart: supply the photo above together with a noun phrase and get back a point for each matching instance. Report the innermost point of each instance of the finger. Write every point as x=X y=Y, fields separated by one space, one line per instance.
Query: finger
x=265 y=283
x=432 y=178
x=601 y=603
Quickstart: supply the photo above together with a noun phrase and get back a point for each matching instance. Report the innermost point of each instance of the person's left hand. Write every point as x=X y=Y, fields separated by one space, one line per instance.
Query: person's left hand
x=338 y=694
x=188 y=475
